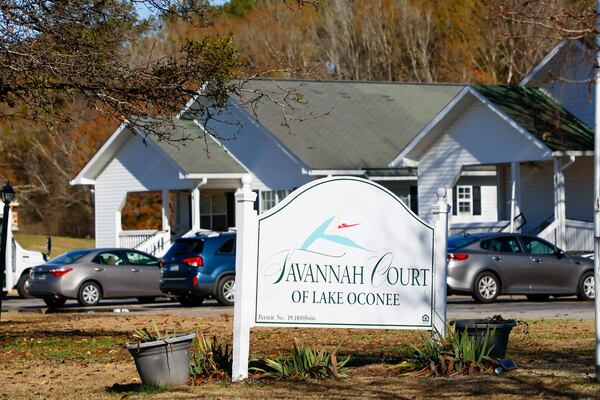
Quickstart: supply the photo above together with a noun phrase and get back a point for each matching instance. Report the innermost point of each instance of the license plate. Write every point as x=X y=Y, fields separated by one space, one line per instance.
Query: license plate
x=40 y=277
x=174 y=268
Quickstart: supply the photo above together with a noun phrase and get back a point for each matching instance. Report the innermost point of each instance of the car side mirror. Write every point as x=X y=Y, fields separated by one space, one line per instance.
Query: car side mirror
x=560 y=254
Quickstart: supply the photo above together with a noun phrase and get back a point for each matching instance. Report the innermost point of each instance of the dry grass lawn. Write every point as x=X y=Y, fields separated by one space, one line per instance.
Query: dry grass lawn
x=59 y=356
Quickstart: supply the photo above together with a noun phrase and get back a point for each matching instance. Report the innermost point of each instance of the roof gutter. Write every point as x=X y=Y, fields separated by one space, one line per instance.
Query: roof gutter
x=331 y=172
x=213 y=176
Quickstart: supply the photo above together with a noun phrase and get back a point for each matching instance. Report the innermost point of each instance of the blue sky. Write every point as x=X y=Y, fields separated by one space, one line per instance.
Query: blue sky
x=144 y=12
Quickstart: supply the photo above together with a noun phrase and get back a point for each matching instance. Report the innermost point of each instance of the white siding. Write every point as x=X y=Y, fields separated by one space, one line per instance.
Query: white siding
x=489 y=202
x=136 y=167
x=579 y=189
x=478 y=136
x=261 y=153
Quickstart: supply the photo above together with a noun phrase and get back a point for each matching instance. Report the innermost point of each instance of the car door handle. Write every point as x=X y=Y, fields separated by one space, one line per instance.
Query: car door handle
x=134 y=270
x=536 y=259
x=98 y=269
x=497 y=258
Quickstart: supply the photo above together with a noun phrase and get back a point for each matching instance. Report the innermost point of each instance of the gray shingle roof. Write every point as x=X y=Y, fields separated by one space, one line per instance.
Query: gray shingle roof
x=338 y=125
x=544 y=118
x=194 y=152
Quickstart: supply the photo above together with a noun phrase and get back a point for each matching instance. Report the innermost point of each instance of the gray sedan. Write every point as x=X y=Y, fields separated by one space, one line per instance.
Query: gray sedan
x=488 y=265
x=90 y=275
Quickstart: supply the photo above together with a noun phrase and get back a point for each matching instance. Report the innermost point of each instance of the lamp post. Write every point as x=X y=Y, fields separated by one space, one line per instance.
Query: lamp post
x=8 y=194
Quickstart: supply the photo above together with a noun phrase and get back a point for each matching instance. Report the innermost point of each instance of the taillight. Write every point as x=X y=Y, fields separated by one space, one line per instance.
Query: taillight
x=457 y=257
x=194 y=261
x=58 y=272
x=195 y=281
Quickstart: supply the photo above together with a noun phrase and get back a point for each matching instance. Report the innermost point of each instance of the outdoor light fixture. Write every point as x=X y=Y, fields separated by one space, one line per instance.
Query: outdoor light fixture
x=8 y=194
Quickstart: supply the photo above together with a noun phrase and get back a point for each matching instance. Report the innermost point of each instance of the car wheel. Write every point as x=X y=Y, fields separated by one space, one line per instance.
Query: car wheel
x=23 y=286
x=190 y=301
x=538 y=297
x=226 y=290
x=89 y=294
x=587 y=288
x=486 y=287
x=55 y=302
x=146 y=300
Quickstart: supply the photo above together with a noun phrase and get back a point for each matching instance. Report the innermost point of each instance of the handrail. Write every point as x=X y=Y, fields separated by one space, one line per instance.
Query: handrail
x=522 y=216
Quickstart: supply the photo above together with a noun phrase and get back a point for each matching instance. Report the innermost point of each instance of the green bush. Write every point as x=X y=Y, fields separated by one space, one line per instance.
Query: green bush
x=304 y=363
x=458 y=353
x=210 y=359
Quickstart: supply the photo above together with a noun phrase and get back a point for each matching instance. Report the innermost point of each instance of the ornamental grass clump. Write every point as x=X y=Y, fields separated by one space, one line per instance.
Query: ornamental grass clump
x=304 y=363
x=210 y=360
x=457 y=354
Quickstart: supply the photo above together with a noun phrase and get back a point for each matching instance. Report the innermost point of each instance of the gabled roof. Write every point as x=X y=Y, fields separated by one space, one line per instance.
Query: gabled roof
x=541 y=116
x=192 y=152
x=529 y=110
x=347 y=125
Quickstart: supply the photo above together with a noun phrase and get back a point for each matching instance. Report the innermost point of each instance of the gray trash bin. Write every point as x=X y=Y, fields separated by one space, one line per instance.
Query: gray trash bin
x=163 y=362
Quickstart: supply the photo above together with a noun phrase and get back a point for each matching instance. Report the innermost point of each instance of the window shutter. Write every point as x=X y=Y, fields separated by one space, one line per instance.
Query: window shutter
x=230 y=209
x=454 y=203
x=257 y=201
x=414 y=199
x=476 y=200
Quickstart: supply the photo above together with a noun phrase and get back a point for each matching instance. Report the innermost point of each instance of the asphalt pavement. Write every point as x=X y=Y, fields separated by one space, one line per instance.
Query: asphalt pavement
x=517 y=307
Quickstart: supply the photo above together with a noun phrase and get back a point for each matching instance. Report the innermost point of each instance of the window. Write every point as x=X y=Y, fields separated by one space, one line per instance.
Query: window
x=213 y=211
x=183 y=247
x=271 y=198
x=464 y=199
x=109 y=258
x=70 y=257
x=136 y=258
x=228 y=247
x=537 y=247
x=506 y=244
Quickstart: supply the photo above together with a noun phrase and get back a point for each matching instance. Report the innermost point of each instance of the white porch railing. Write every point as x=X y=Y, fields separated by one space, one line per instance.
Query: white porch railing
x=153 y=242
x=579 y=235
x=470 y=228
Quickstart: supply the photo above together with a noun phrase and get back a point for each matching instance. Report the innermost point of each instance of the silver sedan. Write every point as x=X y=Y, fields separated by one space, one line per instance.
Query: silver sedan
x=89 y=275
x=488 y=265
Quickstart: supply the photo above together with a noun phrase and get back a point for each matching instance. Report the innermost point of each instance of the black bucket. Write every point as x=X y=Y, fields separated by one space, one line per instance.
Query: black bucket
x=478 y=327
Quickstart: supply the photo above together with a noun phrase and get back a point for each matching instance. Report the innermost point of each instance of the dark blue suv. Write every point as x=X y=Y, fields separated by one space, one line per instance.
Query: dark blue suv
x=200 y=267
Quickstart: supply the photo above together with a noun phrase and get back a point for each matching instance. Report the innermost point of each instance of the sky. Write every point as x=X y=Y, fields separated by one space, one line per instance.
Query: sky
x=144 y=12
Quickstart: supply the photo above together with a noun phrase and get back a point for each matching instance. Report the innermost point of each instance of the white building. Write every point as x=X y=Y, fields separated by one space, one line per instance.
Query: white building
x=511 y=157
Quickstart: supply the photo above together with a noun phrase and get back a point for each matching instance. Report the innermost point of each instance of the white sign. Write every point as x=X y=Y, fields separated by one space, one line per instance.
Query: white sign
x=338 y=252
x=346 y=253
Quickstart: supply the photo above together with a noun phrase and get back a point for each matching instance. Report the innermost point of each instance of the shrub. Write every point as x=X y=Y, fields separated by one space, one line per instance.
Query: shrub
x=304 y=363
x=210 y=360
x=458 y=353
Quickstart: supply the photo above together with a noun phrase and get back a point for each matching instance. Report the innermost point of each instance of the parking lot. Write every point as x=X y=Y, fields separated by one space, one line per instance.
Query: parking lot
x=458 y=307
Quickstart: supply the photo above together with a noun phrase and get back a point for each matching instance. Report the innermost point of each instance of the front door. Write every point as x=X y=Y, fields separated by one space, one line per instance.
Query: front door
x=549 y=271
x=147 y=273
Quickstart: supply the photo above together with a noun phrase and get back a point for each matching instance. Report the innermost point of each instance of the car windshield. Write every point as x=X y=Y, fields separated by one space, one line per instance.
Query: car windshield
x=458 y=242
x=185 y=247
x=70 y=257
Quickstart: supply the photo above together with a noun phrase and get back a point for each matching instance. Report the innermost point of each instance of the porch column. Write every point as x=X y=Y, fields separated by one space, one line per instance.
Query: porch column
x=166 y=211
x=515 y=198
x=559 y=204
x=195 y=209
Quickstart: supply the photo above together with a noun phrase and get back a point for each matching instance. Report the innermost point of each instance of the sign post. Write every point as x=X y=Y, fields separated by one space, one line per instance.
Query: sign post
x=340 y=252
x=440 y=213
